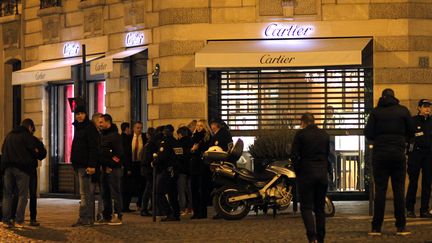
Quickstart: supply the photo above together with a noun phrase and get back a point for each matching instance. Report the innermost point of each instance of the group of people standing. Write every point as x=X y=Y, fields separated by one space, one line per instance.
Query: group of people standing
x=122 y=165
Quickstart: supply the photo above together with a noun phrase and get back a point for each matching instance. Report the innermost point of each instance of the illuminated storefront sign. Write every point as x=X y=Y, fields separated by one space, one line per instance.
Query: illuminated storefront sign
x=134 y=39
x=71 y=49
x=275 y=30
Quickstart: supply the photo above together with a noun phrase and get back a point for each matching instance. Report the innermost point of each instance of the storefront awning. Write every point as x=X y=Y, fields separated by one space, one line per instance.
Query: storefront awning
x=282 y=53
x=48 y=71
x=105 y=65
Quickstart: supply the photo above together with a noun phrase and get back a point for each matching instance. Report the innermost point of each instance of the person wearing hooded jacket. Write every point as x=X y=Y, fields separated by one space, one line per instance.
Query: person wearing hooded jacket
x=84 y=159
x=18 y=153
x=112 y=158
x=389 y=127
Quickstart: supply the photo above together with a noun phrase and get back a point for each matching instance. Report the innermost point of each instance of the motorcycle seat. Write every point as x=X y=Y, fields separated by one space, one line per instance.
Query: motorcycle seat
x=212 y=156
x=262 y=176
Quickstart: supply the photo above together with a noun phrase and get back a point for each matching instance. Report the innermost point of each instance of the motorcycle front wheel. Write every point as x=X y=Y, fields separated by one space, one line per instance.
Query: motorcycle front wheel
x=230 y=210
x=329 y=208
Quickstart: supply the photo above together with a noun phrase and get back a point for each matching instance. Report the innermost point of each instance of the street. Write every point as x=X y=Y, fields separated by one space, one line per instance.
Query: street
x=350 y=224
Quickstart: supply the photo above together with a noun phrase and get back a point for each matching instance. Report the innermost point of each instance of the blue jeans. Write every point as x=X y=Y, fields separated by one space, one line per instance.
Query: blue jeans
x=87 y=190
x=111 y=190
x=15 y=180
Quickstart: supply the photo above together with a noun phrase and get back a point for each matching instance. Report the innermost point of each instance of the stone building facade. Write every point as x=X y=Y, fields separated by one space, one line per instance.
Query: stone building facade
x=174 y=31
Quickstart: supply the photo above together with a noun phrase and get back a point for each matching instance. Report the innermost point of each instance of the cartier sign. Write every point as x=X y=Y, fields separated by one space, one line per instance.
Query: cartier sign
x=71 y=49
x=276 y=59
x=39 y=76
x=134 y=39
x=275 y=30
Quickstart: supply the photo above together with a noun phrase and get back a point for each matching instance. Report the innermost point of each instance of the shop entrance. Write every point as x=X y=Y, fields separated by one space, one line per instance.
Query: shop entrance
x=256 y=100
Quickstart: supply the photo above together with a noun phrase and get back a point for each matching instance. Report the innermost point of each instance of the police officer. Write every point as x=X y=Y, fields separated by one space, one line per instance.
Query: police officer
x=310 y=151
x=420 y=159
x=166 y=178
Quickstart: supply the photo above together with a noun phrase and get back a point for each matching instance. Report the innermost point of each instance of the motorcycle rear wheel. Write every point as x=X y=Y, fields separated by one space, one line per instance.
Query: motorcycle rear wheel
x=229 y=210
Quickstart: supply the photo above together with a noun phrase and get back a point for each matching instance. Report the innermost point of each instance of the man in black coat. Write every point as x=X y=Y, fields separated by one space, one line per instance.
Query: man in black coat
x=420 y=159
x=127 y=182
x=221 y=135
x=33 y=182
x=310 y=151
x=84 y=158
x=389 y=127
x=18 y=153
x=112 y=157
x=166 y=178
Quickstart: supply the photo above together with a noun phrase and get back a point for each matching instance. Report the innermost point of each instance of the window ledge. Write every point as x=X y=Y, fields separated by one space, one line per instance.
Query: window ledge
x=10 y=18
x=49 y=11
x=91 y=3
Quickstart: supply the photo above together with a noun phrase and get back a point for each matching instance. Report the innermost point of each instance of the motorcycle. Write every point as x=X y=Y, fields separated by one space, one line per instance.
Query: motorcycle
x=240 y=189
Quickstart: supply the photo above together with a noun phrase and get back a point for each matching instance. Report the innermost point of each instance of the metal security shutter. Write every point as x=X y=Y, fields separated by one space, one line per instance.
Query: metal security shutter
x=249 y=100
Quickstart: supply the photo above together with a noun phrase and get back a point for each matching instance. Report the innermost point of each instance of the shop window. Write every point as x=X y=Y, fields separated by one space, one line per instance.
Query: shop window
x=97 y=92
x=270 y=99
x=139 y=99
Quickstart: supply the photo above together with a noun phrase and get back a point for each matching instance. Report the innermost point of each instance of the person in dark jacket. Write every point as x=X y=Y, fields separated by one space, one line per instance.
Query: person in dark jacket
x=152 y=145
x=201 y=183
x=112 y=157
x=42 y=152
x=389 y=127
x=18 y=154
x=420 y=159
x=166 y=179
x=184 y=181
x=310 y=151
x=84 y=158
x=127 y=182
x=221 y=135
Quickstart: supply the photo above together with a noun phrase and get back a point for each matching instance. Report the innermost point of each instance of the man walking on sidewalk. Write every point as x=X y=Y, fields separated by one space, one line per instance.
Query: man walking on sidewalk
x=420 y=159
x=310 y=150
x=390 y=127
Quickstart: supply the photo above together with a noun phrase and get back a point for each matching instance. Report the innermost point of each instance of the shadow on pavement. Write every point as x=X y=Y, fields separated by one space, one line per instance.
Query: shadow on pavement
x=42 y=233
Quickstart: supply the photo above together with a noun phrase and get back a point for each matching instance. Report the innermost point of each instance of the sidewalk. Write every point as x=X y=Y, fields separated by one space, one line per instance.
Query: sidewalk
x=350 y=224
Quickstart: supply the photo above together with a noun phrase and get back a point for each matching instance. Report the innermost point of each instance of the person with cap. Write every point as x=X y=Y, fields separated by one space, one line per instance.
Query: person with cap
x=420 y=160
x=18 y=154
x=166 y=179
x=389 y=126
x=84 y=159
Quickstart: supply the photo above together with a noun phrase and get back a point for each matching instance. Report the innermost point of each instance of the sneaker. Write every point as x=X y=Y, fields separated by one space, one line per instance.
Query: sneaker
x=426 y=215
x=115 y=220
x=402 y=231
x=374 y=232
x=34 y=223
x=102 y=221
x=411 y=214
x=183 y=213
x=19 y=225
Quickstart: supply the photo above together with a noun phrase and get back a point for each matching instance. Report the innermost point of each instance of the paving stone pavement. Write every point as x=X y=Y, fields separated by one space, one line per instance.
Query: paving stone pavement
x=350 y=224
